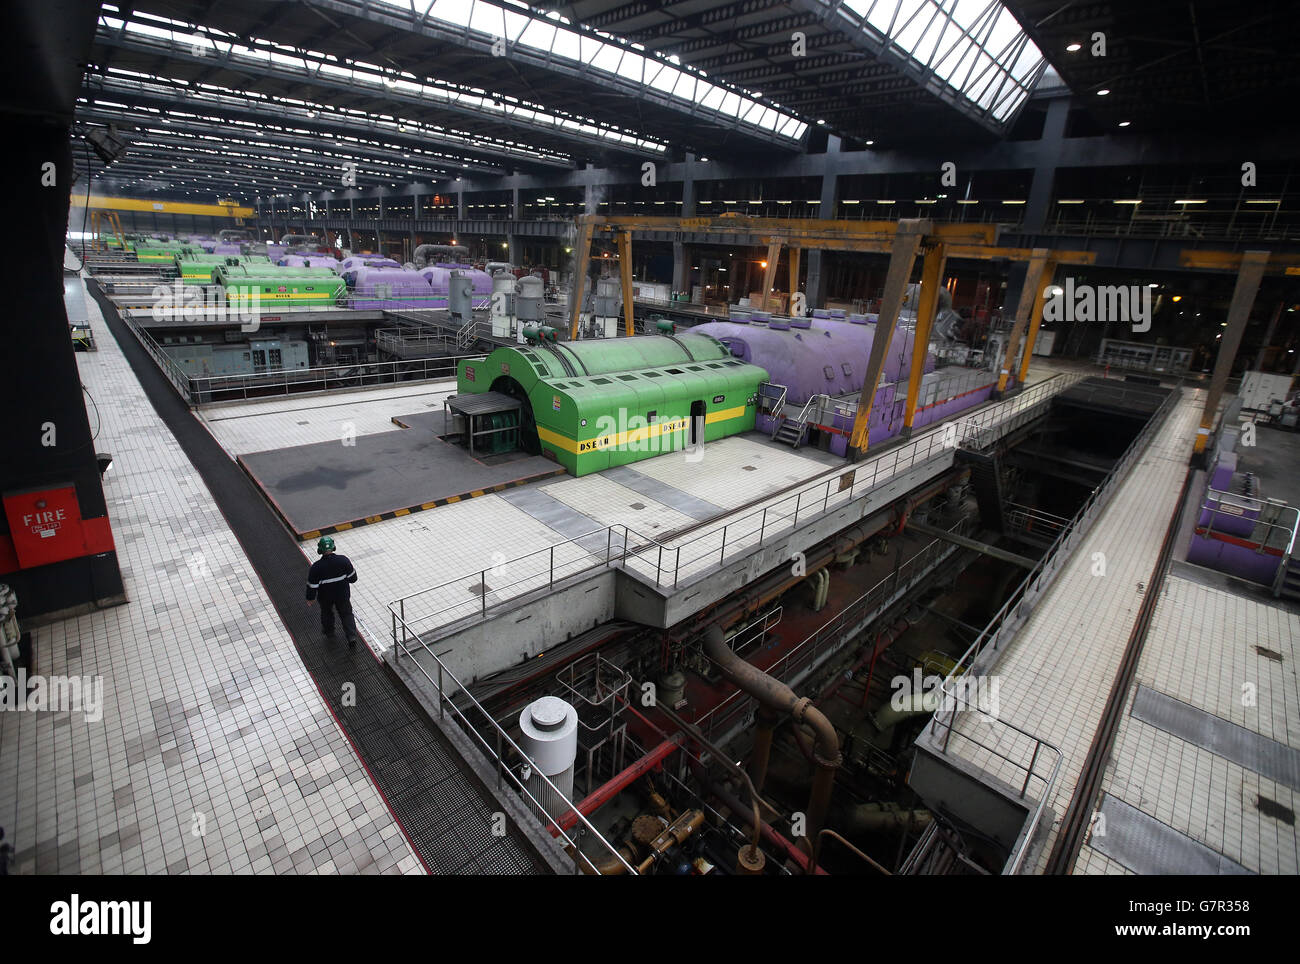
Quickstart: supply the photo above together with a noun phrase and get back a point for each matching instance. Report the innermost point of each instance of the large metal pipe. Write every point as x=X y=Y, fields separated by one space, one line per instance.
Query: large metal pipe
x=618 y=783
x=766 y=720
x=775 y=694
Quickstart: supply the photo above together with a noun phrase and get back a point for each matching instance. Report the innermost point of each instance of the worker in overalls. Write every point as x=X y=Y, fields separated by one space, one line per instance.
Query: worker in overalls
x=328 y=580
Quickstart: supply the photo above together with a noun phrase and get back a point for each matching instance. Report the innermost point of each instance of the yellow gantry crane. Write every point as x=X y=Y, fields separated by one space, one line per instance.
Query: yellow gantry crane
x=902 y=240
x=99 y=220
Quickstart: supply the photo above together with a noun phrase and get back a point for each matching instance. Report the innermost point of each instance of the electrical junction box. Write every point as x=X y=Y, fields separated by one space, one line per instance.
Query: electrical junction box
x=45 y=525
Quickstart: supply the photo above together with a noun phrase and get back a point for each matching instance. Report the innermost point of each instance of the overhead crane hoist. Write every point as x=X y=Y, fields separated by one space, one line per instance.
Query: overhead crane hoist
x=902 y=240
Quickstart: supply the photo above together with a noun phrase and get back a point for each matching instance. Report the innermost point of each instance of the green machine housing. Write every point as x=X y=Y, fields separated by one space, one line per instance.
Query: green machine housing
x=276 y=285
x=199 y=267
x=593 y=405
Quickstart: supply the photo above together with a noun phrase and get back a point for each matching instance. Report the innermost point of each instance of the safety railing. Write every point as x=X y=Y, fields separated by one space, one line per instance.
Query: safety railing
x=491 y=739
x=404 y=342
x=205 y=389
x=1233 y=505
x=666 y=564
x=1004 y=625
x=1023 y=518
x=178 y=377
x=775 y=396
x=829 y=637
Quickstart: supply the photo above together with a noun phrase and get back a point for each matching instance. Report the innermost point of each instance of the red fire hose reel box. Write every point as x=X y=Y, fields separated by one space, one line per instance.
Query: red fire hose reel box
x=45 y=526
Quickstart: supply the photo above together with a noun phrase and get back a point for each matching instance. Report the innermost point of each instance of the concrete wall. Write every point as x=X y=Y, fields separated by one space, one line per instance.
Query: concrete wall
x=540 y=620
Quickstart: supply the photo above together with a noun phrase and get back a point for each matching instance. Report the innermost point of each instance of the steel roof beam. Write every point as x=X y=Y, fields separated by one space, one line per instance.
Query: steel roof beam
x=164 y=99
x=257 y=70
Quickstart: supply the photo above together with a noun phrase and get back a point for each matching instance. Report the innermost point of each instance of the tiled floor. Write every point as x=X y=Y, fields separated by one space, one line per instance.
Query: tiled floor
x=1054 y=676
x=451 y=546
x=259 y=426
x=1201 y=649
x=215 y=752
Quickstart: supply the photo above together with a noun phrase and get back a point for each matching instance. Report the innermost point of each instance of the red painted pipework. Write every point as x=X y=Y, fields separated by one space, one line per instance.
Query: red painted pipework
x=618 y=783
x=888 y=636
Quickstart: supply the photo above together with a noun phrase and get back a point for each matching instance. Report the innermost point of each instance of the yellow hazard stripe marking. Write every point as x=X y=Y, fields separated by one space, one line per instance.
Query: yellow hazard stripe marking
x=620 y=439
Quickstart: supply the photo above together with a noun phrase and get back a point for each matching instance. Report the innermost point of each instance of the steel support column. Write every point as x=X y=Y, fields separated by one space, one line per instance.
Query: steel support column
x=907 y=241
x=1251 y=272
x=681 y=276
x=625 y=273
x=931 y=283
x=582 y=264
x=794 y=276
x=1029 y=297
x=1268 y=336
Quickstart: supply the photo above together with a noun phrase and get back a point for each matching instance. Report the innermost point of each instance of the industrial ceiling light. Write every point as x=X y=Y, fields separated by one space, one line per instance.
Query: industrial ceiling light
x=1124 y=123
x=1103 y=92
x=1074 y=48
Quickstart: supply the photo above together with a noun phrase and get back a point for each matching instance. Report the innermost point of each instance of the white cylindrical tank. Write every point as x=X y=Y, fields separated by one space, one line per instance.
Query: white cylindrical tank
x=503 y=303
x=549 y=728
x=530 y=294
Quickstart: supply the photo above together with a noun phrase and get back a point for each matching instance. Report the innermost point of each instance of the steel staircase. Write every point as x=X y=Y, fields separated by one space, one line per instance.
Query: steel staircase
x=986 y=480
x=791 y=432
x=1287 y=583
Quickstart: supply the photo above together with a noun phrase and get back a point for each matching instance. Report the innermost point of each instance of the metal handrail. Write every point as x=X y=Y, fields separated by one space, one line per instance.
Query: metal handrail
x=806 y=653
x=779 y=407
x=503 y=741
x=665 y=563
x=1214 y=505
x=1036 y=582
x=1019 y=516
x=802 y=417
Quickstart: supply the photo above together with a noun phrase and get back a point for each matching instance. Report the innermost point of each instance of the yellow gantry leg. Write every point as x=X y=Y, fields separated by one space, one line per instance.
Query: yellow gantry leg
x=769 y=274
x=907 y=242
x=1243 y=299
x=625 y=273
x=1036 y=319
x=931 y=282
x=1029 y=295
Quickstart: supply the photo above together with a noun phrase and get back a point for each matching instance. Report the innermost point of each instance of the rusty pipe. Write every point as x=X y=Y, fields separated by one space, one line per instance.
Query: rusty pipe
x=772 y=837
x=772 y=693
x=779 y=697
x=766 y=720
x=609 y=866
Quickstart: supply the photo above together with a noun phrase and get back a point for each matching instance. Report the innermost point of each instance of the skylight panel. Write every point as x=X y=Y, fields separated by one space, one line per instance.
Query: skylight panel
x=977 y=49
x=553 y=35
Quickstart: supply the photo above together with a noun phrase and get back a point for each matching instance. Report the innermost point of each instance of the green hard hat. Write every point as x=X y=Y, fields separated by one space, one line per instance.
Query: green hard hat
x=325 y=545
